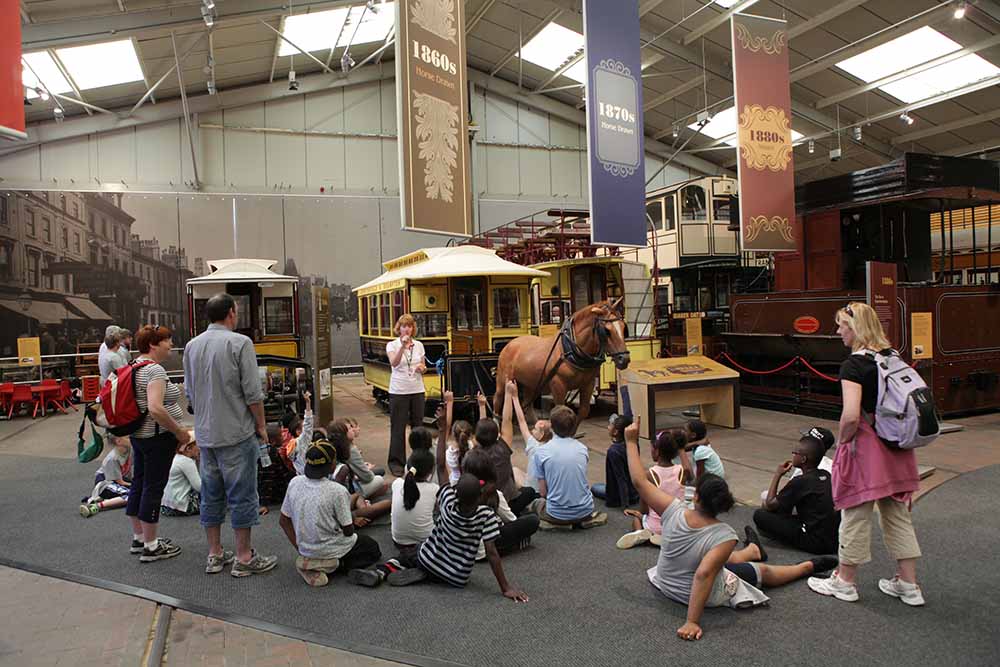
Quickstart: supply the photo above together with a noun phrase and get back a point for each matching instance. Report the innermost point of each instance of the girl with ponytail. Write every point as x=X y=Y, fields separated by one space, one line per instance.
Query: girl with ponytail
x=413 y=499
x=461 y=433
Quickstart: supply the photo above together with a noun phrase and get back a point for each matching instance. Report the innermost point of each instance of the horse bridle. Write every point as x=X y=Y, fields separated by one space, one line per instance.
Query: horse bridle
x=603 y=335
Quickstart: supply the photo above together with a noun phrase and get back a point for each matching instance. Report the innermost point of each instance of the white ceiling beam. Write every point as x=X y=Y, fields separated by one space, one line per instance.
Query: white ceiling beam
x=714 y=22
x=507 y=57
x=910 y=71
x=977 y=119
x=986 y=146
x=478 y=15
x=77 y=30
x=690 y=84
x=882 y=36
x=69 y=79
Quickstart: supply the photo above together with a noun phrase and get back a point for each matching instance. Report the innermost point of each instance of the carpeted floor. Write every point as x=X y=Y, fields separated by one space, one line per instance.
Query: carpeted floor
x=590 y=603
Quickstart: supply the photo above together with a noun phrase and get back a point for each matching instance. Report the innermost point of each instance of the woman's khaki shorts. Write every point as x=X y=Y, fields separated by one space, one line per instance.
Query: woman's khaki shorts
x=856 y=531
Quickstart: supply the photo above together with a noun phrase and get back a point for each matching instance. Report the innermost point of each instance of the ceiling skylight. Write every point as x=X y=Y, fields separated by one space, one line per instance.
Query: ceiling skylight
x=912 y=49
x=723 y=126
x=99 y=65
x=315 y=31
x=43 y=65
x=553 y=47
x=375 y=25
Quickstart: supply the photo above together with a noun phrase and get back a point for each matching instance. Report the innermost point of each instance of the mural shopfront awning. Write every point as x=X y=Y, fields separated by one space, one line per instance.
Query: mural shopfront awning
x=45 y=312
x=88 y=308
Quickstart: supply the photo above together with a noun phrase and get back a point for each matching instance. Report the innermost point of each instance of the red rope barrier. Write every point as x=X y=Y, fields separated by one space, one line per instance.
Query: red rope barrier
x=822 y=375
x=753 y=372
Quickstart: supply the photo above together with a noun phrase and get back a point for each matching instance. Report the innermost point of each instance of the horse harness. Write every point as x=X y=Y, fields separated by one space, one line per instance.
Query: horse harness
x=573 y=355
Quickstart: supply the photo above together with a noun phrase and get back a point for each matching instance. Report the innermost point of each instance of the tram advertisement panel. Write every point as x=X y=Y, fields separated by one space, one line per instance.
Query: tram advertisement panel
x=433 y=114
x=764 y=133
x=614 y=123
x=882 y=292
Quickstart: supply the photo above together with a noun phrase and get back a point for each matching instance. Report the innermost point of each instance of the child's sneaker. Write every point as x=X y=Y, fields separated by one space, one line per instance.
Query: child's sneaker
x=164 y=550
x=405 y=577
x=215 y=564
x=656 y=539
x=368 y=578
x=89 y=509
x=595 y=519
x=634 y=539
x=834 y=586
x=258 y=565
x=909 y=593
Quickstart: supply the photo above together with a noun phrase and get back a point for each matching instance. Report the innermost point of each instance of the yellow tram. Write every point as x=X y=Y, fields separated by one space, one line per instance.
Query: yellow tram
x=266 y=302
x=573 y=283
x=467 y=302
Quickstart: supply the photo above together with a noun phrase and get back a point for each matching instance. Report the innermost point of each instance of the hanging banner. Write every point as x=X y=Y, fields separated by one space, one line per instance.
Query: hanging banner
x=882 y=297
x=11 y=88
x=433 y=113
x=764 y=133
x=614 y=123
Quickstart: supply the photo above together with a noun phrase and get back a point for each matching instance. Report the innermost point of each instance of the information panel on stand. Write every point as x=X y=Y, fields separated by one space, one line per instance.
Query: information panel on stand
x=764 y=133
x=433 y=113
x=882 y=291
x=614 y=123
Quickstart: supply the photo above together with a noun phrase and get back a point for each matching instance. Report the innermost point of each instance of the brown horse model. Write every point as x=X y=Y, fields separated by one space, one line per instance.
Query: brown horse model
x=572 y=359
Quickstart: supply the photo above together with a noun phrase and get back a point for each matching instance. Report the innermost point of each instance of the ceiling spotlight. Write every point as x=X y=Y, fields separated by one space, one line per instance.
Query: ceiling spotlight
x=293 y=84
x=347 y=62
x=42 y=93
x=856 y=132
x=960 y=10
x=677 y=131
x=812 y=147
x=906 y=118
x=209 y=4
x=211 y=88
x=208 y=16
x=57 y=113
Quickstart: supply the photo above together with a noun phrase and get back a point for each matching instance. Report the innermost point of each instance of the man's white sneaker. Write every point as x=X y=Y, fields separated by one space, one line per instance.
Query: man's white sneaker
x=909 y=593
x=834 y=586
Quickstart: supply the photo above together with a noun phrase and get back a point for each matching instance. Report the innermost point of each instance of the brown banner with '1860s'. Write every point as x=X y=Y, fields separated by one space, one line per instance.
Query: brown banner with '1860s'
x=433 y=116
x=764 y=134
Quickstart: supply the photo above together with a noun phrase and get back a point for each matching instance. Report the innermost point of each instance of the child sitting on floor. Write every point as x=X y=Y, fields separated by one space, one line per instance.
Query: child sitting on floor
x=367 y=483
x=301 y=432
x=666 y=476
x=617 y=491
x=515 y=532
x=112 y=481
x=316 y=518
x=461 y=433
x=182 y=495
x=703 y=457
x=363 y=510
x=413 y=499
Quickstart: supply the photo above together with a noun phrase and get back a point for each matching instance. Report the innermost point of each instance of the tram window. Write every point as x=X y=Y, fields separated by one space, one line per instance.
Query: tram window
x=669 y=219
x=364 y=315
x=373 y=315
x=693 y=204
x=201 y=321
x=588 y=286
x=469 y=309
x=278 y=316
x=384 y=315
x=720 y=209
x=507 y=307
x=397 y=305
x=431 y=325
x=554 y=312
x=654 y=210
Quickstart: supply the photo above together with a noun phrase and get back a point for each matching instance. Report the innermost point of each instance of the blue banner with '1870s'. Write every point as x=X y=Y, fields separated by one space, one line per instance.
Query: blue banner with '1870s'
x=614 y=123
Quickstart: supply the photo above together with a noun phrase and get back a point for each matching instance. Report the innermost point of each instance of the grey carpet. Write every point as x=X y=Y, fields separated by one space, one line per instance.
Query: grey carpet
x=590 y=603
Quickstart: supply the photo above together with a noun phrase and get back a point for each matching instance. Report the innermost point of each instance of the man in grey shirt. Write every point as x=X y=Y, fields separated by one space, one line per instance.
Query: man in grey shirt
x=124 y=347
x=224 y=391
x=108 y=359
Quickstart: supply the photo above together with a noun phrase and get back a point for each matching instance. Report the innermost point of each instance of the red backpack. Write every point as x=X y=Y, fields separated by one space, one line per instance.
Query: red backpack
x=118 y=400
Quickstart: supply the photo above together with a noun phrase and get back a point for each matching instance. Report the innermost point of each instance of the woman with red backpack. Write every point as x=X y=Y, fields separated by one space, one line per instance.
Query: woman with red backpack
x=867 y=472
x=153 y=443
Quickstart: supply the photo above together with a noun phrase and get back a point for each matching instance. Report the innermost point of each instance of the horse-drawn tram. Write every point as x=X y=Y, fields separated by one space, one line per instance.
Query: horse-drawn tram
x=467 y=303
x=916 y=213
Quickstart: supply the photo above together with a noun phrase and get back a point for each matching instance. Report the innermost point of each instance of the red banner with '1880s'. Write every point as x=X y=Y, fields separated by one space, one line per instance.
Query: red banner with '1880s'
x=764 y=116
x=11 y=89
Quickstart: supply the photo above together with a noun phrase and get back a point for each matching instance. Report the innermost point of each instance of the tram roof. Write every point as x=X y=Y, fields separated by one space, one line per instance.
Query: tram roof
x=241 y=270
x=450 y=262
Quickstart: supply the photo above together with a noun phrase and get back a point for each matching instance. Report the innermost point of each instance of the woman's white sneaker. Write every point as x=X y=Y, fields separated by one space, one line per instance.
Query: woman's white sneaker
x=909 y=593
x=834 y=586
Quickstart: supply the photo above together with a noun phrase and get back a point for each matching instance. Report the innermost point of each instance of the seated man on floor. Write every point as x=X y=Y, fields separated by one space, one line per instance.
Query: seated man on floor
x=561 y=470
x=801 y=515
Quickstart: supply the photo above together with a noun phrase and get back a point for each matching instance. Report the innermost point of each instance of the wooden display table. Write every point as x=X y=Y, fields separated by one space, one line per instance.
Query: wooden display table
x=678 y=382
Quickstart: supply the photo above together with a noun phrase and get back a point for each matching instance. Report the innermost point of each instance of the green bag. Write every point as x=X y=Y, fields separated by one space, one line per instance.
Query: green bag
x=87 y=453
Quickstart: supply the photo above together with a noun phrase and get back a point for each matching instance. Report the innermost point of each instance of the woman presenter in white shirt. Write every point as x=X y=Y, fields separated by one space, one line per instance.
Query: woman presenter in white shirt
x=406 y=388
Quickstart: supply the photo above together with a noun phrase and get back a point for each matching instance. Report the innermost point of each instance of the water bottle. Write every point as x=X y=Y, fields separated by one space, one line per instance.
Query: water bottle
x=689 y=497
x=265 y=458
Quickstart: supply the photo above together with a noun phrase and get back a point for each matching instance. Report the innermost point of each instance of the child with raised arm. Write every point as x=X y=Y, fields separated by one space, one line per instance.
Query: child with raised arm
x=112 y=480
x=698 y=565
x=533 y=438
x=668 y=477
x=301 y=431
x=617 y=491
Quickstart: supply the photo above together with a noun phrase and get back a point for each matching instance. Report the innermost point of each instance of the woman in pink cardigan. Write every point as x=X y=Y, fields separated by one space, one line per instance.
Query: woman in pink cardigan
x=866 y=472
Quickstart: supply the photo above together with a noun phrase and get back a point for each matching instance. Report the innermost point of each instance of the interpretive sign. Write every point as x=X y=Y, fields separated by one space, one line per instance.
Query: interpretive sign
x=614 y=123
x=433 y=113
x=882 y=297
x=764 y=133
x=29 y=351
x=921 y=336
x=692 y=334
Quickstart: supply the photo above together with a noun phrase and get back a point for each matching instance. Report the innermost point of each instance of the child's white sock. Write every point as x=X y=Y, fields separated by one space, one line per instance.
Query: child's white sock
x=151 y=546
x=137 y=537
